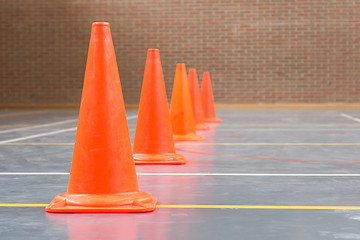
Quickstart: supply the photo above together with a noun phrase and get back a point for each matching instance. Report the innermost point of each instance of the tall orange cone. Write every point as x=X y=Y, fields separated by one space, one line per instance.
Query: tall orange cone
x=102 y=176
x=196 y=101
x=154 y=143
x=181 y=113
x=207 y=98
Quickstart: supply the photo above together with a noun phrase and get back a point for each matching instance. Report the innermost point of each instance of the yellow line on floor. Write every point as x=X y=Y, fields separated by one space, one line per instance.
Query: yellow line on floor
x=270 y=144
x=23 y=205
x=216 y=206
x=258 y=207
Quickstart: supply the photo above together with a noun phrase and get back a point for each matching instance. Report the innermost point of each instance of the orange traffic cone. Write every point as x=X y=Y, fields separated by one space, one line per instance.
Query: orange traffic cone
x=102 y=177
x=154 y=143
x=181 y=113
x=207 y=98
x=196 y=101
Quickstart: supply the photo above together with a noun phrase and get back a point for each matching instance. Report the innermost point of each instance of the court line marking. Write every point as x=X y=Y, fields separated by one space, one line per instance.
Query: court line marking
x=206 y=174
x=193 y=143
x=38 y=135
x=21 y=113
x=291 y=125
x=48 y=133
x=36 y=144
x=38 y=126
x=270 y=144
x=284 y=129
x=214 y=206
x=23 y=204
x=34 y=173
x=266 y=129
x=256 y=174
x=350 y=117
x=266 y=158
x=261 y=207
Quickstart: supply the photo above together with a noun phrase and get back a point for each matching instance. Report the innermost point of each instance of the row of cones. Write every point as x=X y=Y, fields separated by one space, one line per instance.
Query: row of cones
x=103 y=176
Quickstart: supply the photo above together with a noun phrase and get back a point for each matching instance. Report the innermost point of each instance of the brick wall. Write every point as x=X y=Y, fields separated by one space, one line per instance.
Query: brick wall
x=256 y=50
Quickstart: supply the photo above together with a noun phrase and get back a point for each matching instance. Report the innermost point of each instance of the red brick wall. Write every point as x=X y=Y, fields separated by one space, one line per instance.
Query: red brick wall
x=256 y=50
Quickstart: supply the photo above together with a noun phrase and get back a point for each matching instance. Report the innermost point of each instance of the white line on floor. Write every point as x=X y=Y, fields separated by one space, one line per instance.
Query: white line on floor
x=286 y=129
x=350 y=117
x=252 y=174
x=34 y=173
x=38 y=135
x=131 y=117
x=38 y=126
x=209 y=174
x=48 y=133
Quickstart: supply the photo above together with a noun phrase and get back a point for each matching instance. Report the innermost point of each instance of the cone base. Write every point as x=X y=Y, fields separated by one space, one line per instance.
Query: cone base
x=188 y=137
x=158 y=159
x=202 y=126
x=212 y=120
x=102 y=203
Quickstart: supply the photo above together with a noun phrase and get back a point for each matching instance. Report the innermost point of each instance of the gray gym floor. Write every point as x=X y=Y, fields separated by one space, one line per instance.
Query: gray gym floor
x=261 y=174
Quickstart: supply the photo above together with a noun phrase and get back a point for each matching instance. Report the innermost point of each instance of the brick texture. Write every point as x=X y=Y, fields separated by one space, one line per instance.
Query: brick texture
x=258 y=51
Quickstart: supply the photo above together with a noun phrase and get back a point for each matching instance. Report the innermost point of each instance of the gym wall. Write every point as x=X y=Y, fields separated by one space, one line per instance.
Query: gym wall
x=257 y=51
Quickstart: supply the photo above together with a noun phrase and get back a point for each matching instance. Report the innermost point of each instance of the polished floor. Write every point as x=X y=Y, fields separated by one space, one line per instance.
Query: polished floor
x=261 y=174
